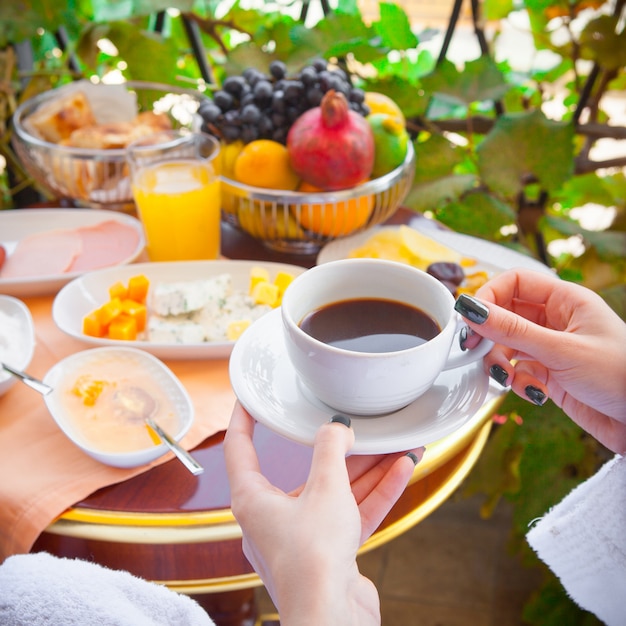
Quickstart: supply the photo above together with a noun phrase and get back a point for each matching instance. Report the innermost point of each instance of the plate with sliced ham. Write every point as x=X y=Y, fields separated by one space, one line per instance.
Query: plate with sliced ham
x=43 y=249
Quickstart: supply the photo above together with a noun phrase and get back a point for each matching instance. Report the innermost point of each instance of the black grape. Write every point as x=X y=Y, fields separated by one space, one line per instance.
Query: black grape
x=223 y=100
x=258 y=105
x=278 y=69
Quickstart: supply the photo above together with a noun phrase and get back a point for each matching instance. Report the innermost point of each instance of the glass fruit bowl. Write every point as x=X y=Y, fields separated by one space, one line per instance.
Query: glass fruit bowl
x=96 y=177
x=301 y=223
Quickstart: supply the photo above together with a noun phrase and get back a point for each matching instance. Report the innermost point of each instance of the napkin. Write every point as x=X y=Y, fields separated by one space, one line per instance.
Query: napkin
x=583 y=541
x=44 y=473
x=39 y=589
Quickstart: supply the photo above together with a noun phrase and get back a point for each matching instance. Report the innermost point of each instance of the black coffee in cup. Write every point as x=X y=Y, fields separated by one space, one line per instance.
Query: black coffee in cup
x=370 y=325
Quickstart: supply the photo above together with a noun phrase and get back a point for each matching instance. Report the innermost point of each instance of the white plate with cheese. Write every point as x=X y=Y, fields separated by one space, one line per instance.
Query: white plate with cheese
x=180 y=285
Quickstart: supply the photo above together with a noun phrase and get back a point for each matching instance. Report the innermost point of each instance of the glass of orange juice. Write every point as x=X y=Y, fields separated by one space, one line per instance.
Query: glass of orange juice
x=175 y=177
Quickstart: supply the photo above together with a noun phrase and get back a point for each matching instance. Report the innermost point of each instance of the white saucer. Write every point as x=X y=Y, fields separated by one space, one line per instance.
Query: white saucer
x=268 y=388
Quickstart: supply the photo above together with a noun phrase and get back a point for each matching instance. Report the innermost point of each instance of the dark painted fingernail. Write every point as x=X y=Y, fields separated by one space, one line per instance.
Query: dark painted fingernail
x=464 y=335
x=499 y=374
x=341 y=419
x=471 y=309
x=413 y=457
x=536 y=395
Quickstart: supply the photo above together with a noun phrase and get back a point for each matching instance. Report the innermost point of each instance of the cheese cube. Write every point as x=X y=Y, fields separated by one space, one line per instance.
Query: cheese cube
x=258 y=275
x=266 y=293
x=282 y=280
x=123 y=327
x=234 y=329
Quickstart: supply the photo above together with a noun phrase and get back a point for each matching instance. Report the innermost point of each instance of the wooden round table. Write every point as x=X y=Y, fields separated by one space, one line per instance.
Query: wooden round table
x=168 y=526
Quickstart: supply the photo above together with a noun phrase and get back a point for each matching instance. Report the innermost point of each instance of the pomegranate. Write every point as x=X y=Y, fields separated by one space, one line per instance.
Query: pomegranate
x=331 y=146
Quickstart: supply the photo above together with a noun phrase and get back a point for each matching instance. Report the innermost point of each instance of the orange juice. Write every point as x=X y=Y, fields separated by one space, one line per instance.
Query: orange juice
x=179 y=205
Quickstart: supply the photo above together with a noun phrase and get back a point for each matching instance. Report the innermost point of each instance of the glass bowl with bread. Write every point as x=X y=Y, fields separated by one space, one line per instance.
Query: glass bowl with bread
x=72 y=139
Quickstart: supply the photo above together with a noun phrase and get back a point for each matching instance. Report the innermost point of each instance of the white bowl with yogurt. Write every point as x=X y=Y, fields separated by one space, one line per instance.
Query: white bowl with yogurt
x=83 y=404
x=17 y=339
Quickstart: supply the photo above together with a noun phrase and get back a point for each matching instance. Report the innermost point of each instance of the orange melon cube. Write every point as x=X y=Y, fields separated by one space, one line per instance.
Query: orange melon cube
x=118 y=290
x=92 y=325
x=138 y=288
x=109 y=311
x=123 y=327
x=136 y=310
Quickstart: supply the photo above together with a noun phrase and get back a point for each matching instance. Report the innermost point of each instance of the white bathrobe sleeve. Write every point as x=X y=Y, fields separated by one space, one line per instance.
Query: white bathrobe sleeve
x=38 y=589
x=583 y=541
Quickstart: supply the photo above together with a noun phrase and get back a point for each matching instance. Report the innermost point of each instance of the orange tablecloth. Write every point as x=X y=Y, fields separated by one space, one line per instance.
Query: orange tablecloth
x=42 y=472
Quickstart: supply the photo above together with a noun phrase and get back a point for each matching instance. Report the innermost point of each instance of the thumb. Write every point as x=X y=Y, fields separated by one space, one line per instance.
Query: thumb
x=526 y=338
x=328 y=466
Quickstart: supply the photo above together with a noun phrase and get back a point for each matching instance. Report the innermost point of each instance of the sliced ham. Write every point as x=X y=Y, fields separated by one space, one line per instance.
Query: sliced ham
x=104 y=244
x=80 y=249
x=43 y=254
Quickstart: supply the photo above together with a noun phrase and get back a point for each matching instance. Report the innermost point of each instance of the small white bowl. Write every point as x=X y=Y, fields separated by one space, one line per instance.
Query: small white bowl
x=17 y=339
x=124 y=366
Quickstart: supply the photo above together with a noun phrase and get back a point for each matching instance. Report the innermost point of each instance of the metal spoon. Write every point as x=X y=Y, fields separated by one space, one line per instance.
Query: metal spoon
x=139 y=405
x=27 y=379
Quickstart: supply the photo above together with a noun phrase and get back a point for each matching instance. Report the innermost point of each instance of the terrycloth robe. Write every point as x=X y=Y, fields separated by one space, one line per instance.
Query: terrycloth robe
x=38 y=589
x=583 y=541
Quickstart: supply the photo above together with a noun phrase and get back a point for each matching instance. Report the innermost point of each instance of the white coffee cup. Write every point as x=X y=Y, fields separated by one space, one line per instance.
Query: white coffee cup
x=371 y=383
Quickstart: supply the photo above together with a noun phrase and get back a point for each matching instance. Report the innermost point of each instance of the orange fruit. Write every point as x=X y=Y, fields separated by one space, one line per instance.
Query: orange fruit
x=265 y=163
x=333 y=219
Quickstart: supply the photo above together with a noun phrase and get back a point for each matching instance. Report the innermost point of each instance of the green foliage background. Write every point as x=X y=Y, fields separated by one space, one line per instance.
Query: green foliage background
x=490 y=162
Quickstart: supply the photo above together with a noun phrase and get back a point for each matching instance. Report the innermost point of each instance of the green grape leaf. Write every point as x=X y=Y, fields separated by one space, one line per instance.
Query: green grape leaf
x=136 y=46
x=526 y=145
x=344 y=27
x=407 y=96
x=435 y=158
x=339 y=34
x=497 y=9
x=542 y=5
x=20 y=20
x=609 y=244
x=497 y=472
x=600 y=41
x=394 y=27
x=423 y=64
x=477 y=213
x=593 y=272
x=348 y=6
x=246 y=54
x=616 y=186
x=435 y=193
x=86 y=46
x=253 y=21
x=479 y=80
x=293 y=43
x=445 y=108
x=555 y=72
x=586 y=188
x=107 y=11
x=557 y=456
